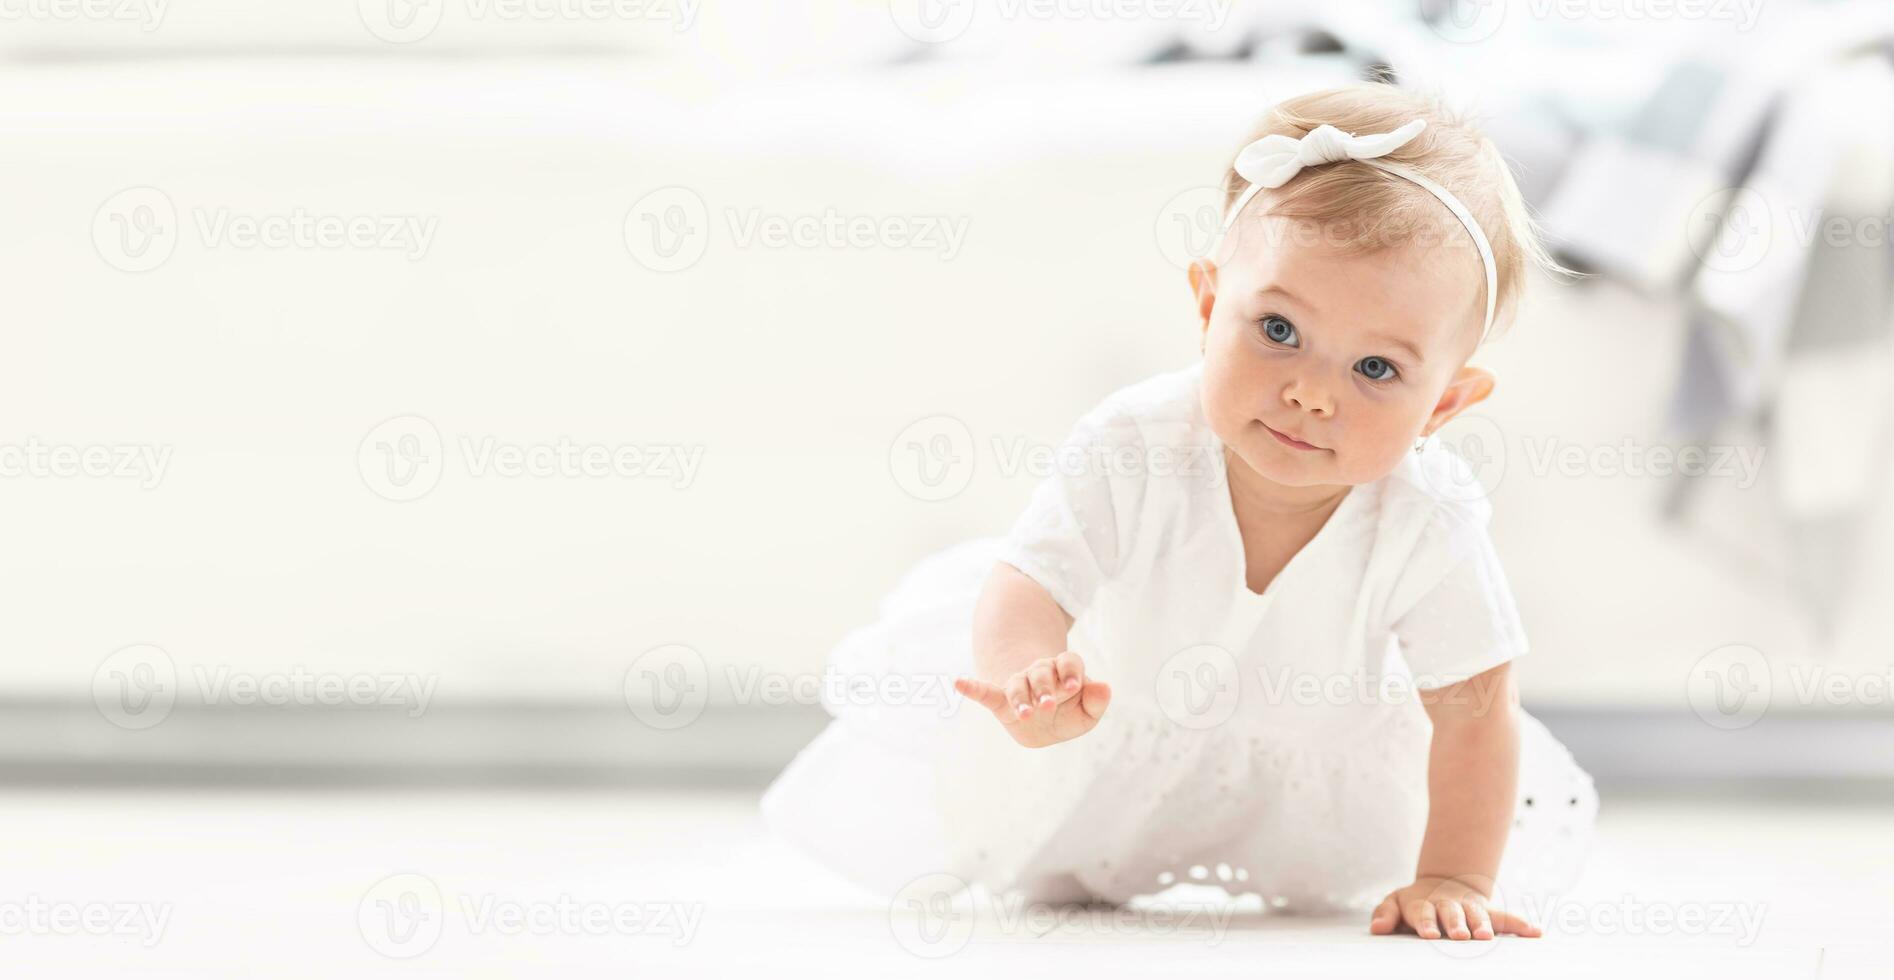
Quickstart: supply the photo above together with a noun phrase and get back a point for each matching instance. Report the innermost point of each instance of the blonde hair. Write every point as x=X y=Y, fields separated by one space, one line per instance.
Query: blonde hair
x=1359 y=208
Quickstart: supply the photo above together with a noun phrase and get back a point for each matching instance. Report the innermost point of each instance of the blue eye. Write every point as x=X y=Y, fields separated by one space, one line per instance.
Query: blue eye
x=1376 y=369
x=1279 y=330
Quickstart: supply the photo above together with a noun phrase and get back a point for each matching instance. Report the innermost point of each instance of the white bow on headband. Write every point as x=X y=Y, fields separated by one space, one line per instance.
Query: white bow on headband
x=1272 y=161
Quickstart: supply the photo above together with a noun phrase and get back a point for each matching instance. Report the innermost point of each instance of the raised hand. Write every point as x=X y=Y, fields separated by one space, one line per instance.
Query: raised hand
x=1047 y=702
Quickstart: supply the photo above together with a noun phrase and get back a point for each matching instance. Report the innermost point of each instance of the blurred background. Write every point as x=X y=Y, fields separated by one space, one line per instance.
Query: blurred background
x=445 y=438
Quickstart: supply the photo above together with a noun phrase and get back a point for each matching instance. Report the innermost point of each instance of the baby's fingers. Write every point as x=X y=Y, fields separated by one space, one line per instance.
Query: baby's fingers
x=1071 y=673
x=1019 y=695
x=986 y=696
x=1094 y=698
x=1477 y=921
x=1506 y=922
x=1386 y=916
x=1045 y=684
x=1419 y=915
x=1453 y=919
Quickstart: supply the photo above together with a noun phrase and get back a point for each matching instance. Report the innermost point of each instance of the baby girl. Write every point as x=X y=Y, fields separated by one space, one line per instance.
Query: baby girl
x=1293 y=665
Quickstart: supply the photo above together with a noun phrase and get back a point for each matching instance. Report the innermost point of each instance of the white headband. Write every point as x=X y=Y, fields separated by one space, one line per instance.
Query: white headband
x=1271 y=161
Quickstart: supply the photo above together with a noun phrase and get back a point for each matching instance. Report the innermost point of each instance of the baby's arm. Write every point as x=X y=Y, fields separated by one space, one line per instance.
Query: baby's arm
x=1472 y=772
x=1028 y=679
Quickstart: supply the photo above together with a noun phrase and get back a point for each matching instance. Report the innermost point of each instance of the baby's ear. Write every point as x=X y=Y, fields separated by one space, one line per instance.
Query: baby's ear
x=1203 y=285
x=1469 y=387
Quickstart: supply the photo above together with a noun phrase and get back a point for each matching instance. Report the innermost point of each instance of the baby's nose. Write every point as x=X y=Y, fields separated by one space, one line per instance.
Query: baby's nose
x=1308 y=397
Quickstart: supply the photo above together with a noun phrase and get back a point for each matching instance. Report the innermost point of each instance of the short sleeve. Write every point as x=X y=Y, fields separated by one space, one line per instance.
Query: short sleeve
x=1073 y=534
x=1460 y=618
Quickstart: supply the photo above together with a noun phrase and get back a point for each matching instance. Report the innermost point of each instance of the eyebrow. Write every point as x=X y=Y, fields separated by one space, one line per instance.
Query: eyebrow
x=1412 y=351
x=1284 y=293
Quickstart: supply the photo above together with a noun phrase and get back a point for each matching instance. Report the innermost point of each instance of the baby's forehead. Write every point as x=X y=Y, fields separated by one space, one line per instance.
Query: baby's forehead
x=1426 y=295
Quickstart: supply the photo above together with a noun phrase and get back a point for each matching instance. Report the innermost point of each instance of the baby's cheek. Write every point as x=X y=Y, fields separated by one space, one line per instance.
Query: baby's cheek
x=1368 y=455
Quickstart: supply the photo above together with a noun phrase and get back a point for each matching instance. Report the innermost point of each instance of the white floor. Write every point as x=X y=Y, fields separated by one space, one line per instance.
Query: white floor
x=686 y=884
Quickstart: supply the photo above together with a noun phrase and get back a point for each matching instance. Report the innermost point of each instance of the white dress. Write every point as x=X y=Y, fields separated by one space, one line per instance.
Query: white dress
x=1264 y=743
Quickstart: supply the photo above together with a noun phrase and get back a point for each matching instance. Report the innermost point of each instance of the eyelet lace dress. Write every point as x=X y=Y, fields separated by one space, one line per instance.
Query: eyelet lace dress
x=1267 y=743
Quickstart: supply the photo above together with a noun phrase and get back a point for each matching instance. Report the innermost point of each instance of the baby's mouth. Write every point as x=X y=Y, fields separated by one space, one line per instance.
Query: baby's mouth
x=1289 y=440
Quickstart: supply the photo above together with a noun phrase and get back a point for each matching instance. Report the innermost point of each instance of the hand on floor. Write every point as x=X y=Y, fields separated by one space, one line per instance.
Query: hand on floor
x=1431 y=907
x=1048 y=702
